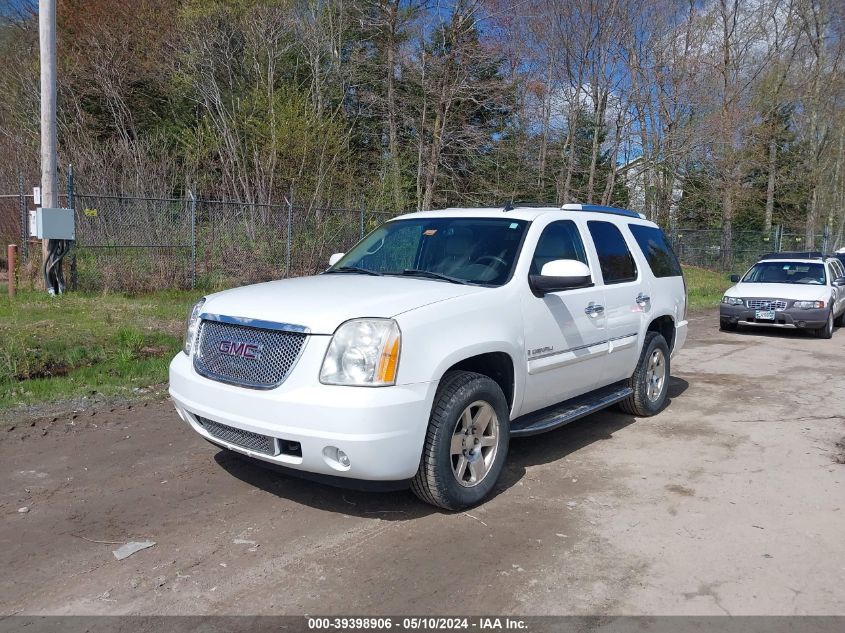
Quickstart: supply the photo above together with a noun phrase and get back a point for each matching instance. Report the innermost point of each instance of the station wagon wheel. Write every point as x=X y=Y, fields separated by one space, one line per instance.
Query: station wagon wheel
x=727 y=325
x=474 y=443
x=826 y=331
x=466 y=442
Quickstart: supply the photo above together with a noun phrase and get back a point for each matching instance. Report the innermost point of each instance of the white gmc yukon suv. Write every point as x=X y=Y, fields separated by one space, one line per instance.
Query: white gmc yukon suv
x=417 y=355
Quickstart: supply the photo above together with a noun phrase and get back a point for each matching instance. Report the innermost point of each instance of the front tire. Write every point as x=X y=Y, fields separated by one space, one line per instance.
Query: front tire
x=650 y=380
x=827 y=330
x=466 y=443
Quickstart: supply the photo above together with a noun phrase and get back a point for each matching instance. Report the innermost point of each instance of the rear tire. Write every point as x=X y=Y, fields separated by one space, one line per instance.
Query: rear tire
x=827 y=330
x=727 y=325
x=650 y=380
x=466 y=444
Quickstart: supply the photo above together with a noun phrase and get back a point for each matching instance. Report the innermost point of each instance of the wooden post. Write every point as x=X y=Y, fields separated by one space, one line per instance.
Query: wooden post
x=12 y=258
x=49 y=168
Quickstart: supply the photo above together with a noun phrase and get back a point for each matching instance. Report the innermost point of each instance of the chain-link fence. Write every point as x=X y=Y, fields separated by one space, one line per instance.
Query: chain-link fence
x=10 y=224
x=143 y=243
x=14 y=229
x=257 y=242
x=703 y=247
x=132 y=243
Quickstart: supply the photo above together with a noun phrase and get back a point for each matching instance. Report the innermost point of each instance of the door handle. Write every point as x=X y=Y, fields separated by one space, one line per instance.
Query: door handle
x=593 y=309
x=643 y=299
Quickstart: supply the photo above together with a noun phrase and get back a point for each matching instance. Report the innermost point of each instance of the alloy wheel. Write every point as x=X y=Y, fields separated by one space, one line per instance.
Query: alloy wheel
x=475 y=441
x=655 y=375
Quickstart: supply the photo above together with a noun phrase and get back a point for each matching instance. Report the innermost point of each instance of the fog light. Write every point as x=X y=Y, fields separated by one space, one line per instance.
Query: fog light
x=336 y=458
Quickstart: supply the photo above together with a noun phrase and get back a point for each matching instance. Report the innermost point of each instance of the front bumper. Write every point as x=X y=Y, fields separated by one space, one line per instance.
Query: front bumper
x=788 y=318
x=380 y=429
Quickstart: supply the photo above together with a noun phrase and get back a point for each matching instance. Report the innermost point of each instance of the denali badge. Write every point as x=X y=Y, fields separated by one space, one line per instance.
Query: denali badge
x=252 y=351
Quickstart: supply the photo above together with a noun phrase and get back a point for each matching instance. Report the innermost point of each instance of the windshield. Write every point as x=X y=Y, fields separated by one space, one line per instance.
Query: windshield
x=786 y=273
x=458 y=250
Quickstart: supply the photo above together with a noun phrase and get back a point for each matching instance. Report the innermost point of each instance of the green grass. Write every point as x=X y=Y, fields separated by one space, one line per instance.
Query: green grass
x=705 y=287
x=61 y=348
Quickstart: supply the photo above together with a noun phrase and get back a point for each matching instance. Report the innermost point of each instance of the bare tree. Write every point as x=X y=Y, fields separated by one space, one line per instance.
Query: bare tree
x=823 y=67
x=457 y=77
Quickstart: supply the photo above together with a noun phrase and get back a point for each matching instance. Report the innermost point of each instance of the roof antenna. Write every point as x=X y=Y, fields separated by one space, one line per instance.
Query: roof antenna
x=508 y=206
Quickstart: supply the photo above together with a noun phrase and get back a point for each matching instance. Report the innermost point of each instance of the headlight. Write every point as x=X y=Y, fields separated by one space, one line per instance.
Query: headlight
x=808 y=305
x=732 y=301
x=363 y=352
x=192 y=325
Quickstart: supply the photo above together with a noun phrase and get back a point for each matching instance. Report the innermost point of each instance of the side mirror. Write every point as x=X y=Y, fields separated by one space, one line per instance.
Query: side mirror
x=335 y=258
x=839 y=282
x=560 y=274
x=734 y=279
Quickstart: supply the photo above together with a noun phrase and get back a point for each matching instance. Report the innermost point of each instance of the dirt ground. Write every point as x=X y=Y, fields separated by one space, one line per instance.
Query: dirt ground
x=730 y=501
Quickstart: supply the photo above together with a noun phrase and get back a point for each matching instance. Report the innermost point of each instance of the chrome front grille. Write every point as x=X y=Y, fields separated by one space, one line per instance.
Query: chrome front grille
x=245 y=355
x=766 y=304
x=245 y=439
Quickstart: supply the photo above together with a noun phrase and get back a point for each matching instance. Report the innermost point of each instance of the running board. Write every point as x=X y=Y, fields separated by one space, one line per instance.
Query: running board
x=557 y=415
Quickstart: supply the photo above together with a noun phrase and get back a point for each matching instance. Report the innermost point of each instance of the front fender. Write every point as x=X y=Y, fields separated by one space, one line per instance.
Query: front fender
x=434 y=338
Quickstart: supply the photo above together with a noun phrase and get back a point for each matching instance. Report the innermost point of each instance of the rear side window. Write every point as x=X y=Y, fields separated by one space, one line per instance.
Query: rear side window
x=657 y=251
x=617 y=263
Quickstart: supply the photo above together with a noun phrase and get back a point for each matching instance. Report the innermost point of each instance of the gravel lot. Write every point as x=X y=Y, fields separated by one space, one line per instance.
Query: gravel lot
x=730 y=501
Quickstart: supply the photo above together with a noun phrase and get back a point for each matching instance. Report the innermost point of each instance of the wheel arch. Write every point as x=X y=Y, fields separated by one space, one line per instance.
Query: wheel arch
x=665 y=326
x=496 y=365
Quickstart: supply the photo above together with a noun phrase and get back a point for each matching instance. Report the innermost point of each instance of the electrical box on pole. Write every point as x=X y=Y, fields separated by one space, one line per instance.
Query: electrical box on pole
x=54 y=224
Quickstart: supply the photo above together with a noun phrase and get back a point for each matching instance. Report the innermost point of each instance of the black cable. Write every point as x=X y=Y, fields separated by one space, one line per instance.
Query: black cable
x=56 y=252
x=47 y=267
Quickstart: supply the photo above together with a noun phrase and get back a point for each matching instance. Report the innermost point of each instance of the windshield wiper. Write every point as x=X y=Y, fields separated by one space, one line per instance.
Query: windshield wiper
x=355 y=269
x=415 y=272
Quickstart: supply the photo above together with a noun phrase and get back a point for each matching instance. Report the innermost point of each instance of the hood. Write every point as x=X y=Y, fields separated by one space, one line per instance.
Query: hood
x=796 y=292
x=323 y=302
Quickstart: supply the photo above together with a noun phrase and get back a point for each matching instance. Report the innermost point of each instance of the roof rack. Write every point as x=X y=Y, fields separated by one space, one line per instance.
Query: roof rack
x=597 y=208
x=795 y=255
x=510 y=206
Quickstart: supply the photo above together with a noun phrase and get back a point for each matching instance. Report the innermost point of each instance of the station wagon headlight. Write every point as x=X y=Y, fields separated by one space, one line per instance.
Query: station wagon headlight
x=808 y=305
x=363 y=352
x=732 y=301
x=192 y=325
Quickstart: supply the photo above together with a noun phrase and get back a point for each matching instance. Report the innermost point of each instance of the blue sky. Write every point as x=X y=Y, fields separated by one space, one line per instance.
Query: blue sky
x=8 y=7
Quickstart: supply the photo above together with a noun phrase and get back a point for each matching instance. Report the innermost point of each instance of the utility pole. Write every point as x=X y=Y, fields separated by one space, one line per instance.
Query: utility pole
x=49 y=161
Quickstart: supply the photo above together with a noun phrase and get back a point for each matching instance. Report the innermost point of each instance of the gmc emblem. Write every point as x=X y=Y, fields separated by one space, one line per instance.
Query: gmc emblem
x=250 y=351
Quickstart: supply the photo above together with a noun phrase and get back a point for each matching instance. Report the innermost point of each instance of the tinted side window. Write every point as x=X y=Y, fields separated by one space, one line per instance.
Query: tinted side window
x=560 y=240
x=617 y=263
x=657 y=251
